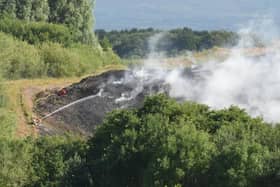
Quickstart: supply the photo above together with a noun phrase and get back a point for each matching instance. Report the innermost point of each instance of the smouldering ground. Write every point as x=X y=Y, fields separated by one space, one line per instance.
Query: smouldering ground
x=21 y=92
x=21 y=95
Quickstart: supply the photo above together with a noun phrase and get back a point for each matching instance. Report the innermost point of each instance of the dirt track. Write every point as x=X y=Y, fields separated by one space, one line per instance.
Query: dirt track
x=21 y=96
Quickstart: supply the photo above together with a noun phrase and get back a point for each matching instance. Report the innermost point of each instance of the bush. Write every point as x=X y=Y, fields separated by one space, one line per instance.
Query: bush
x=90 y=56
x=53 y=158
x=15 y=162
x=60 y=62
x=93 y=57
x=37 y=32
x=22 y=60
x=19 y=59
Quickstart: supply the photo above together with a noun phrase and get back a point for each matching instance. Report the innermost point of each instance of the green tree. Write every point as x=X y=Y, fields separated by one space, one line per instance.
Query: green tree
x=105 y=44
x=24 y=9
x=184 y=158
x=8 y=8
x=53 y=158
x=153 y=146
x=40 y=10
x=77 y=14
x=239 y=164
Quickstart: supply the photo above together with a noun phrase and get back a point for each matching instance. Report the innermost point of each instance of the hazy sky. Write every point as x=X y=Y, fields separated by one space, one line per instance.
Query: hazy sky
x=197 y=14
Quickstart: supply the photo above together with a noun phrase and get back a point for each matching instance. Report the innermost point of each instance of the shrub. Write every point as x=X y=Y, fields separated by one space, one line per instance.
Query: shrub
x=15 y=162
x=37 y=32
x=93 y=57
x=19 y=59
x=60 y=62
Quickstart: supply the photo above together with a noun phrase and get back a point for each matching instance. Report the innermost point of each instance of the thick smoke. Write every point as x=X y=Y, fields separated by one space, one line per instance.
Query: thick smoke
x=248 y=78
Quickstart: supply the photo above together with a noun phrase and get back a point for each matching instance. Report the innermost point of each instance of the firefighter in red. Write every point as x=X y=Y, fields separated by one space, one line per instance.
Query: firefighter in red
x=62 y=92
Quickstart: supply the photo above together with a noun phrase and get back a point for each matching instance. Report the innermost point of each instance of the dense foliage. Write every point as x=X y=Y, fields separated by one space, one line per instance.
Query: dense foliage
x=19 y=59
x=37 y=32
x=49 y=38
x=163 y=143
x=41 y=162
x=137 y=42
x=75 y=14
x=169 y=144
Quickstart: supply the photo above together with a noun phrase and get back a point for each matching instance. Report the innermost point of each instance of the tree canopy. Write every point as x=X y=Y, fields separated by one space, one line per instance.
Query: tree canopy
x=163 y=143
x=76 y=14
x=135 y=42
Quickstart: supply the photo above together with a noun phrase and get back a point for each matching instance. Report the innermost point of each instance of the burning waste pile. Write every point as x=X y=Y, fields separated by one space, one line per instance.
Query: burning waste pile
x=249 y=81
x=86 y=103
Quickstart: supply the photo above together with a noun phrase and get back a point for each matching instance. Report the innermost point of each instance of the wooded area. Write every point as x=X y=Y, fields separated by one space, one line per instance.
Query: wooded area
x=135 y=43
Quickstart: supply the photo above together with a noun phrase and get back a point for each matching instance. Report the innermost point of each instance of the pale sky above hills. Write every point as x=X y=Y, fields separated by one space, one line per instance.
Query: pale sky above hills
x=197 y=14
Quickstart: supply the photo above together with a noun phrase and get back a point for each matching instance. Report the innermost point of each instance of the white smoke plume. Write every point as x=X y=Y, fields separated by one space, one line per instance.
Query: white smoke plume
x=248 y=78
